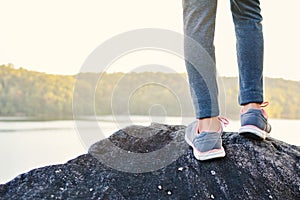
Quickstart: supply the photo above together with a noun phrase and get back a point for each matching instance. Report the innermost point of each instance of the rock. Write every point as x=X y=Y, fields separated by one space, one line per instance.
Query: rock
x=267 y=169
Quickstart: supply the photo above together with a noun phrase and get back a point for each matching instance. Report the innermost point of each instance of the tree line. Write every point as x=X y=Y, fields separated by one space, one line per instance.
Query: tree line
x=35 y=94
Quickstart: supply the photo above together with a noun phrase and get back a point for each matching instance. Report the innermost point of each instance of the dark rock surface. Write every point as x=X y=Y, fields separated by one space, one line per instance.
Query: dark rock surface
x=251 y=170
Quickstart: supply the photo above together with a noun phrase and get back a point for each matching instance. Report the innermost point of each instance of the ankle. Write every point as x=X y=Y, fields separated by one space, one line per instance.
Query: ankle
x=211 y=124
x=248 y=106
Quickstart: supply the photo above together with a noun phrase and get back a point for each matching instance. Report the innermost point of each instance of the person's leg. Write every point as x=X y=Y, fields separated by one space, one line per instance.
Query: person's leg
x=249 y=43
x=199 y=24
x=250 y=48
x=203 y=135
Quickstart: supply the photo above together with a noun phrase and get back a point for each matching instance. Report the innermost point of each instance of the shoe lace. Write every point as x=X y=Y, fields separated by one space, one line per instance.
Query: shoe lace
x=263 y=105
x=224 y=122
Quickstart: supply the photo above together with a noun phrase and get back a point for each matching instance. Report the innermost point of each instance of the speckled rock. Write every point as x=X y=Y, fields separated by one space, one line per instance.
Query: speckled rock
x=267 y=169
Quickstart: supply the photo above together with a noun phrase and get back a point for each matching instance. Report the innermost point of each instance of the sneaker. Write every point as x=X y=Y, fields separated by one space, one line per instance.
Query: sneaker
x=206 y=145
x=254 y=123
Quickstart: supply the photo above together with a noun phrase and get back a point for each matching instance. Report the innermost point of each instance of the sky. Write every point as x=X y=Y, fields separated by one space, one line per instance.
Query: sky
x=57 y=36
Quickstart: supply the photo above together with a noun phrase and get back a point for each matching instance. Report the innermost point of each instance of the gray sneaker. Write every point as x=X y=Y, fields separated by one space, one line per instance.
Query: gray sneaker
x=206 y=145
x=254 y=124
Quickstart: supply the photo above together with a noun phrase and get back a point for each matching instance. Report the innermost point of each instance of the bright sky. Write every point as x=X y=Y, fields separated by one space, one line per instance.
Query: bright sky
x=57 y=36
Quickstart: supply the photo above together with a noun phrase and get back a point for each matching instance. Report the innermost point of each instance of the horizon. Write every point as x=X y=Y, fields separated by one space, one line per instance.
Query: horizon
x=115 y=72
x=37 y=40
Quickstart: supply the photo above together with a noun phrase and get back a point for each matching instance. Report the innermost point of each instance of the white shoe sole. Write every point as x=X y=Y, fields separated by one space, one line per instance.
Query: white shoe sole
x=253 y=132
x=214 y=153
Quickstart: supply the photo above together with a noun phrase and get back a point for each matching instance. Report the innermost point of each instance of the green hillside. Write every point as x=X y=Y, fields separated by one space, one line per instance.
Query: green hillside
x=29 y=93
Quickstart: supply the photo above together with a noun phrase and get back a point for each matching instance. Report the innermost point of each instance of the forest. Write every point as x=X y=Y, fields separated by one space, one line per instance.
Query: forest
x=34 y=94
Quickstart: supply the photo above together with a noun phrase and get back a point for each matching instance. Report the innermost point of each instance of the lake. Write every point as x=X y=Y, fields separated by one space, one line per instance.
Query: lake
x=26 y=145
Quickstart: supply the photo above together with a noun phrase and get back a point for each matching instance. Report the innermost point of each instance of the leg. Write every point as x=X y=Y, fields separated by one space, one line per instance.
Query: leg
x=199 y=24
x=247 y=20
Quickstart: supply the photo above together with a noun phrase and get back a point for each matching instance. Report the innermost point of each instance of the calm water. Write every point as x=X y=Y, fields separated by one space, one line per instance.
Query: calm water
x=30 y=144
